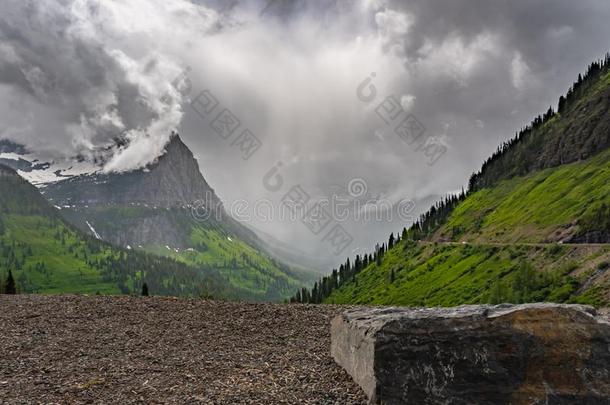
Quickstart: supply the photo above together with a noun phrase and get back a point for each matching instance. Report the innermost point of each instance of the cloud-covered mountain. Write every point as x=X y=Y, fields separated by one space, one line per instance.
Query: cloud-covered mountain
x=174 y=180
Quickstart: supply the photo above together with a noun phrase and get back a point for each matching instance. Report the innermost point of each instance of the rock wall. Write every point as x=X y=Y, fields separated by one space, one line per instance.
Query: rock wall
x=506 y=354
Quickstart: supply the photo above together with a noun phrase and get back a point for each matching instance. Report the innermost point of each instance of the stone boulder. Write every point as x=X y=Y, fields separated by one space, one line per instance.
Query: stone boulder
x=504 y=354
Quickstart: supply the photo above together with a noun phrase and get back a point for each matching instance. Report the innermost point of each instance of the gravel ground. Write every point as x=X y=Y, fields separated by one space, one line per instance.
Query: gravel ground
x=72 y=349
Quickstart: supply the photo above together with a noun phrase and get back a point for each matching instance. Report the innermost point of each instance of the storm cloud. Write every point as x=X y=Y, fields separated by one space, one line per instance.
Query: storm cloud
x=76 y=75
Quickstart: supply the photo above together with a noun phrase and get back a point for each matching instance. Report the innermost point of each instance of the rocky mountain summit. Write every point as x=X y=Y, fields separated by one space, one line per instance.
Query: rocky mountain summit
x=152 y=206
x=173 y=180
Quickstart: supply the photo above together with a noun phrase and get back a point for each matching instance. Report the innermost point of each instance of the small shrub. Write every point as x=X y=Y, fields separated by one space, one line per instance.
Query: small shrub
x=555 y=249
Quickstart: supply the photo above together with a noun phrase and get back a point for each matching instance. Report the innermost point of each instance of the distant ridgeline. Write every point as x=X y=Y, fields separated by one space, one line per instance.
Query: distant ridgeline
x=549 y=185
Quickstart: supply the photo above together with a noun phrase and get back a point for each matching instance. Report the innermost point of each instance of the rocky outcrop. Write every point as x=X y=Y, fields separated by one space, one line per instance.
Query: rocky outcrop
x=143 y=227
x=592 y=237
x=506 y=354
x=174 y=180
x=7 y=146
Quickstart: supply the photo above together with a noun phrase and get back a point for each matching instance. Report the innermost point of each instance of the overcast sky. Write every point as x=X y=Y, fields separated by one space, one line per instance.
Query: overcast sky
x=74 y=74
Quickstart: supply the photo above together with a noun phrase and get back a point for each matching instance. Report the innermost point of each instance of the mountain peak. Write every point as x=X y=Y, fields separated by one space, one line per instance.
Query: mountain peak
x=175 y=142
x=174 y=148
x=173 y=180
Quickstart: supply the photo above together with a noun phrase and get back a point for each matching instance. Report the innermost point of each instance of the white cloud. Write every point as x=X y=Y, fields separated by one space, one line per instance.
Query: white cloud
x=520 y=71
x=456 y=57
x=407 y=102
x=393 y=27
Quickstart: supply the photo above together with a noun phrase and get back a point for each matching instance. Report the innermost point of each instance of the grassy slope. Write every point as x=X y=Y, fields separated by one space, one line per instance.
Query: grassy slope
x=66 y=270
x=244 y=267
x=449 y=275
x=580 y=131
x=249 y=273
x=543 y=206
x=499 y=221
x=70 y=265
x=31 y=234
x=536 y=208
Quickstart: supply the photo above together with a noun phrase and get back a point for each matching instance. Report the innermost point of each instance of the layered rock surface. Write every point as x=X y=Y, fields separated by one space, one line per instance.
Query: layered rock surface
x=506 y=354
x=174 y=180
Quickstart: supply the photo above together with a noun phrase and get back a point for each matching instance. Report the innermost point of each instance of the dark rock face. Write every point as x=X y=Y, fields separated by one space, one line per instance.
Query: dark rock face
x=146 y=207
x=506 y=354
x=145 y=227
x=7 y=146
x=174 y=180
x=592 y=237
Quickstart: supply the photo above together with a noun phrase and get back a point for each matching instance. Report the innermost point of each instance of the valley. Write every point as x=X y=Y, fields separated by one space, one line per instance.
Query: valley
x=530 y=228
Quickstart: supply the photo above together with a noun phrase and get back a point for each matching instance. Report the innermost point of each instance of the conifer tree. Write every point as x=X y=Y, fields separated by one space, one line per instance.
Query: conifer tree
x=144 y=290
x=10 y=287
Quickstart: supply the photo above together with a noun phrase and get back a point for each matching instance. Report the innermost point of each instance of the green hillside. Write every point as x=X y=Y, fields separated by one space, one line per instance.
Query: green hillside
x=501 y=252
x=533 y=226
x=207 y=245
x=45 y=256
x=40 y=250
x=418 y=274
x=551 y=205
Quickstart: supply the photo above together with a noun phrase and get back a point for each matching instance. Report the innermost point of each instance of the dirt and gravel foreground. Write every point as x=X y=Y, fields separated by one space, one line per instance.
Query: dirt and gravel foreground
x=72 y=349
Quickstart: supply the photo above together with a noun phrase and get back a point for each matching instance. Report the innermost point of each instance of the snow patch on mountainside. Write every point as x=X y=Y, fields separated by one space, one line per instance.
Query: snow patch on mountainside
x=93 y=231
x=40 y=173
x=10 y=156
